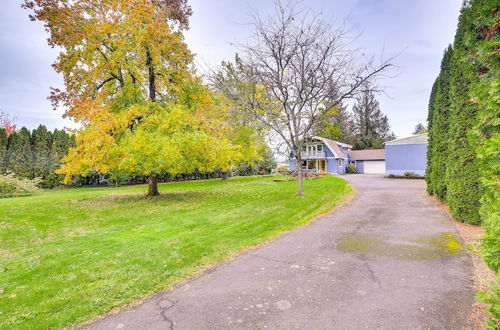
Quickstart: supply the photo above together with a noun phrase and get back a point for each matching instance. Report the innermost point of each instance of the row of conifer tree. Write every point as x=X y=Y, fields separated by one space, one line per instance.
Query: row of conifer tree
x=464 y=125
x=34 y=154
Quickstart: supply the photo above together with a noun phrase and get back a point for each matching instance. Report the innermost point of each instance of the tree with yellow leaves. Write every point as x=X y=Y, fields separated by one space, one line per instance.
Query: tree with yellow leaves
x=129 y=83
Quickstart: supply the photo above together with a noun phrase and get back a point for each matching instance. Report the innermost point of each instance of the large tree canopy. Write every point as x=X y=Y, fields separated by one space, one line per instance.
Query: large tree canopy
x=128 y=81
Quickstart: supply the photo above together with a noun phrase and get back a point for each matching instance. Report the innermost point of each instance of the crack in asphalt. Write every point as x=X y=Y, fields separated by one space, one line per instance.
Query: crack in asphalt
x=364 y=261
x=164 y=309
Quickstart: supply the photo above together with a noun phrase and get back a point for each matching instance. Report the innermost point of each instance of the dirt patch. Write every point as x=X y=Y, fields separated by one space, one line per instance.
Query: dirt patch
x=482 y=276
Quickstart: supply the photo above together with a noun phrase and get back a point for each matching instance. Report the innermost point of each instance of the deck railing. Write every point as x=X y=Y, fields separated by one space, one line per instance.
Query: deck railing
x=309 y=155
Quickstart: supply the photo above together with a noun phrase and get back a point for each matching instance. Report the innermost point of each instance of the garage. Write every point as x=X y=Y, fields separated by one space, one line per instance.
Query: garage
x=407 y=155
x=374 y=166
x=368 y=161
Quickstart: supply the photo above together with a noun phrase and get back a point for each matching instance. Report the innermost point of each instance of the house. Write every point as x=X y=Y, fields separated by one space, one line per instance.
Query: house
x=321 y=155
x=406 y=155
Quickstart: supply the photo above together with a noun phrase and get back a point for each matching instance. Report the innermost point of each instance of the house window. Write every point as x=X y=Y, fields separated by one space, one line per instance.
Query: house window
x=304 y=164
x=311 y=165
x=341 y=162
x=319 y=147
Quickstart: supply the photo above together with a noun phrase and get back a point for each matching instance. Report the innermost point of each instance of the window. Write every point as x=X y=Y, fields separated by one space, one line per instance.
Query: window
x=304 y=164
x=319 y=147
x=341 y=162
x=311 y=165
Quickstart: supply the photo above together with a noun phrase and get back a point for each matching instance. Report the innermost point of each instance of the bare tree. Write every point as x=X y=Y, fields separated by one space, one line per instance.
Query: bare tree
x=300 y=68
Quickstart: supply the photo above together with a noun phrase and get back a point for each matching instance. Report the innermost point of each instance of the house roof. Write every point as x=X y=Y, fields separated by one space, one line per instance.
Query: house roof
x=369 y=154
x=415 y=139
x=334 y=146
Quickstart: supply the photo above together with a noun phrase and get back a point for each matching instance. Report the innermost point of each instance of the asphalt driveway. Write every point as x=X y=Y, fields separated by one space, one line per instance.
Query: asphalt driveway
x=387 y=260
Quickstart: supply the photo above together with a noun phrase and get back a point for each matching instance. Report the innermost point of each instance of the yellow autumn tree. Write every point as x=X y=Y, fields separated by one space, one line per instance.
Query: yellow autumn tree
x=129 y=82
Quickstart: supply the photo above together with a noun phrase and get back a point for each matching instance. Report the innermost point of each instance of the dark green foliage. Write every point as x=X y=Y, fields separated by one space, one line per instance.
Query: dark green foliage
x=370 y=124
x=3 y=149
x=36 y=154
x=41 y=140
x=406 y=175
x=351 y=168
x=484 y=39
x=19 y=154
x=429 y=175
x=463 y=188
x=439 y=108
x=263 y=166
x=338 y=126
x=470 y=134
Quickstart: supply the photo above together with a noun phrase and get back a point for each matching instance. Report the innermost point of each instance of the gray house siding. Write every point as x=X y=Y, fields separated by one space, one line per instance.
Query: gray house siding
x=331 y=166
x=402 y=158
x=341 y=169
x=328 y=152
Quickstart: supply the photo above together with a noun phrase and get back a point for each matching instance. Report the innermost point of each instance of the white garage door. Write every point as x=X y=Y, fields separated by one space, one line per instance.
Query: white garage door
x=374 y=166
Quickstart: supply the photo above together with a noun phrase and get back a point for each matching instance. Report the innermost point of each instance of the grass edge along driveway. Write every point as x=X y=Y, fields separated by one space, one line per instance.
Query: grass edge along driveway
x=69 y=256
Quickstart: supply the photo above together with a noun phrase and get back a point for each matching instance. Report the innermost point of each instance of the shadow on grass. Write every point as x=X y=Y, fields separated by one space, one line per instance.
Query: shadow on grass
x=133 y=198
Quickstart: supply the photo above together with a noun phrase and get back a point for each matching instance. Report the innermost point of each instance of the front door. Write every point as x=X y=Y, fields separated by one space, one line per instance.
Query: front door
x=322 y=166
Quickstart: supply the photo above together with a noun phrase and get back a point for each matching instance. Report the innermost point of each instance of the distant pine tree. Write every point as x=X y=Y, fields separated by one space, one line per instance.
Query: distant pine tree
x=19 y=153
x=3 y=149
x=60 y=143
x=371 y=125
x=41 y=151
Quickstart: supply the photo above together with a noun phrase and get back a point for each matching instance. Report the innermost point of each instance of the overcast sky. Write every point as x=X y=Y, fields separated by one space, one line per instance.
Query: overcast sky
x=418 y=29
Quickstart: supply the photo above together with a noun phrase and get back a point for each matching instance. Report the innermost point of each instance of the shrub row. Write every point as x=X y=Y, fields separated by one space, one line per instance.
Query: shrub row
x=464 y=130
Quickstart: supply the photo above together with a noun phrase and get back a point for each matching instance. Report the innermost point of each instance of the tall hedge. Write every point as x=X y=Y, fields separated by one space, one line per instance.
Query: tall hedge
x=472 y=137
x=463 y=187
x=439 y=108
x=484 y=39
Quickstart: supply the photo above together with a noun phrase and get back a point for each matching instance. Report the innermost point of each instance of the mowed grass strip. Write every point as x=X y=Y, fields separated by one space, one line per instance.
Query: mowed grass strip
x=69 y=256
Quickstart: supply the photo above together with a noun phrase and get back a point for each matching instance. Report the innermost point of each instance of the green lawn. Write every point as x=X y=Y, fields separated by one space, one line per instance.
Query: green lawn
x=68 y=256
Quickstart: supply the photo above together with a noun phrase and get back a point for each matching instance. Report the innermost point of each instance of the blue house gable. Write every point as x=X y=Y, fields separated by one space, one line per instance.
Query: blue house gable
x=320 y=155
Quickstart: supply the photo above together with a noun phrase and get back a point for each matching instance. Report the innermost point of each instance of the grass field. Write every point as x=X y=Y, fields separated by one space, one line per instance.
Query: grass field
x=68 y=256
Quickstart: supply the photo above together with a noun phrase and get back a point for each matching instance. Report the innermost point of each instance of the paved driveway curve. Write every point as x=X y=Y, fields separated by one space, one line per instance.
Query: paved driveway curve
x=386 y=260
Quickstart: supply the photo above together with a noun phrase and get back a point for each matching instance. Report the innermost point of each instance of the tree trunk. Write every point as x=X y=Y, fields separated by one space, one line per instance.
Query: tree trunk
x=300 y=190
x=153 y=185
x=224 y=175
x=151 y=73
x=152 y=179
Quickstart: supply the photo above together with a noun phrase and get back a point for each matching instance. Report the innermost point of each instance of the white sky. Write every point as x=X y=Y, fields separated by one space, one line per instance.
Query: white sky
x=420 y=29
